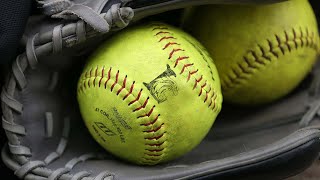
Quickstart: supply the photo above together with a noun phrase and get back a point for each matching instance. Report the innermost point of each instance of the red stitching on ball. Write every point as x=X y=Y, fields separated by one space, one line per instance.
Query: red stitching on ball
x=301 y=37
x=287 y=40
x=155 y=144
x=294 y=37
x=95 y=77
x=130 y=91
x=91 y=72
x=282 y=45
x=204 y=85
x=177 y=61
x=84 y=84
x=88 y=83
x=102 y=75
x=169 y=44
x=174 y=51
x=214 y=102
x=243 y=69
x=210 y=102
x=163 y=32
x=191 y=73
x=180 y=59
x=123 y=85
x=152 y=122
x=307 y=35
x=159 y=28
x=117 y=76
x=155 y=150
x=142 y=106
x=197 y=81
x=155 y=129
x=149 y=113
x=137 y=98
x=185 y=66
x=250 y=65
x=213 y=98
x=207 y=94
x=166 y=37
x=156 y=137
x=109 y=76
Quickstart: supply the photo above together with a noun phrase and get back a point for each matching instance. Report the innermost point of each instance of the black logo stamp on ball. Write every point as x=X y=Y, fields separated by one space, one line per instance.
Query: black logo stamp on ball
x=163 y=86
x=104 y=129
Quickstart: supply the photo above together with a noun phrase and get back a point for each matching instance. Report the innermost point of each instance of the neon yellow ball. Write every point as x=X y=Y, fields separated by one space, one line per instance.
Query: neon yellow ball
x=262 y=52
x=150 y=94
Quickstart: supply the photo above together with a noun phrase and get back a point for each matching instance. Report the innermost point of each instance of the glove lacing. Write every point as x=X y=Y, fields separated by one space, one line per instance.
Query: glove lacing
x=88 y=24
x=314 y=102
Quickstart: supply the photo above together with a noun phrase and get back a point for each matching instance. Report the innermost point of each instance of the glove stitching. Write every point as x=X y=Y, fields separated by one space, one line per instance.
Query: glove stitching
x=155 y=147
x=261 y=56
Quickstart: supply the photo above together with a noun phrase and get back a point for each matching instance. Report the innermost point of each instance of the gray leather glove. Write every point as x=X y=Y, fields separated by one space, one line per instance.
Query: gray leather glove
x=48 y=140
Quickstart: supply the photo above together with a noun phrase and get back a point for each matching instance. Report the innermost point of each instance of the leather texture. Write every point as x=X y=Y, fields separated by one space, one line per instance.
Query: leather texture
x=145 y=8
x=13 y=18
x=280 y=167
x=47 y=138
x=145 y=3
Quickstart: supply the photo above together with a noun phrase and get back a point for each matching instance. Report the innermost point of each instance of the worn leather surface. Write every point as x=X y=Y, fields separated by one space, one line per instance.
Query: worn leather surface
x=274 y=131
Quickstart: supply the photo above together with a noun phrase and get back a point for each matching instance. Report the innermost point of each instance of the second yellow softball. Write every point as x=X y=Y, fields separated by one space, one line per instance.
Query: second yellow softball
x=262 y=52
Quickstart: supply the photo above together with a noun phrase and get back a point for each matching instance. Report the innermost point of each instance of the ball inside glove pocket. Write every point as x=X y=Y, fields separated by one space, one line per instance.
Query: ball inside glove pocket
x=48 y=137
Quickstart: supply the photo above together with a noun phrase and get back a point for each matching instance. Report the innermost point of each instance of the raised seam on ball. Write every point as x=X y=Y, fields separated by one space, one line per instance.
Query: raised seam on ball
x=163 y=34
x=261 y=56
x=155 y=146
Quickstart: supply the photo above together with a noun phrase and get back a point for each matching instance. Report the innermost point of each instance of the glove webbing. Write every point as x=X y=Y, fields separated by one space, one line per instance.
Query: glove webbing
x=40 y=45
x=314 y=106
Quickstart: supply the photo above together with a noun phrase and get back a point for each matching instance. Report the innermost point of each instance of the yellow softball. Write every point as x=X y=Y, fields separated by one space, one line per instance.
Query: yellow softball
x=262 y=52
x=149 y=94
